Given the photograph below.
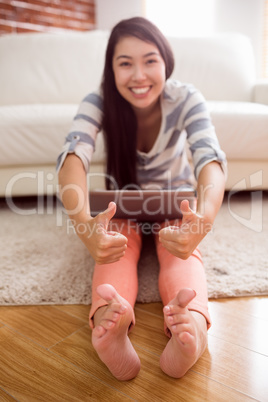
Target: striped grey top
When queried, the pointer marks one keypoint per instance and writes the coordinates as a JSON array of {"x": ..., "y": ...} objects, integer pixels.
[{"x": 185, "y": 126}]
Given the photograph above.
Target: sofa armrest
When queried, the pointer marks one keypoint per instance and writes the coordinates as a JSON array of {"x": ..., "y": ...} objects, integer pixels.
[{"x": 260, "y": 92}]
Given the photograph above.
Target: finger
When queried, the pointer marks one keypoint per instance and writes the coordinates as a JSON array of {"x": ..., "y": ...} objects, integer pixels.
[
  {"x": 116, "y": 239},
  {"x": 176, "y": 250},
  {"x": 110, "y": 258},
  {"x": 118, "y": 257},
  {"x": 175, "y": 238},
  {"x": 116, "y": 234},
  {"x": 168, "y": 244},
  {"x": 104, "y": 217},
  {"x": 100, "y": 260},
  {"x": 187, "y": 212},
  {"x": 168, "y": 233},
  {"x": 109, "y": 244}
]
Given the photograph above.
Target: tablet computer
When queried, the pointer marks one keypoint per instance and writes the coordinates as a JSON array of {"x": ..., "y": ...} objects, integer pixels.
[{"x": 143, "y": 205}]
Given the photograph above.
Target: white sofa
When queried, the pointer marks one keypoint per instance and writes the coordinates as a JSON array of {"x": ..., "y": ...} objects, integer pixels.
[{"x": 43, "y": 78}]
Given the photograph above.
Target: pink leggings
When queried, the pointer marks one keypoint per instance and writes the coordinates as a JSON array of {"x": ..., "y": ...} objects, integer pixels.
[{"x": 174, "y": 274}]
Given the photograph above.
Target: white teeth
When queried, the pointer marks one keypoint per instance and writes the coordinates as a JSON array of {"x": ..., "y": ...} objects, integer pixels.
[{"x": 140, "y": 90}]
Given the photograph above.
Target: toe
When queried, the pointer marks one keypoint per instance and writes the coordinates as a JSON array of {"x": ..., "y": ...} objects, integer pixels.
[
  {"x": 107, "y": 292},
  {"x": 114, "y": 312},
  {"x": 99, "y": 331},
  {"x": 186, "y": 338},
  {"x": 184, "y": 297}
]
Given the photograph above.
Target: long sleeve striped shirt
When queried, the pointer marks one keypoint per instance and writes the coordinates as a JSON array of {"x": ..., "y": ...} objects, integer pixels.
[{"x": 186, "y": 130}]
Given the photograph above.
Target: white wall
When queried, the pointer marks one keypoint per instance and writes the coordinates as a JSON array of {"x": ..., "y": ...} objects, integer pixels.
[
  {"x": 245, "y": 16},
  {"x": 109, "y": 12}
]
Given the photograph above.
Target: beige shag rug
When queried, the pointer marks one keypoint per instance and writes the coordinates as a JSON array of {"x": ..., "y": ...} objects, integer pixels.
[{"x": 43, "y": 262}]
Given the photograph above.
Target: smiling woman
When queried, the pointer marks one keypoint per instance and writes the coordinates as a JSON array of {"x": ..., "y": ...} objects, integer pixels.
[
  {"x": 129, "y": 59},
  {"x": 146, "y": 118},
  {"x": 139, "y": 72}
]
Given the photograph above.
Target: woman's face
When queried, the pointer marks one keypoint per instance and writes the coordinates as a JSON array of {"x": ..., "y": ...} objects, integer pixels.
[{"x": 139, "y": 72}]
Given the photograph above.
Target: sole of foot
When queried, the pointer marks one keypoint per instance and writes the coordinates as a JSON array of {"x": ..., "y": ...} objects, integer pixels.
[
  {"x": 188, "y": 335},
  {"x": 110, "y": 335}
]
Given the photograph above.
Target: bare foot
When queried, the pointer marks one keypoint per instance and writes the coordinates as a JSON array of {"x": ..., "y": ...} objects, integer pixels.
[
  {"x": 110, "y": 335},
  {"x": 189, "y": 335}
]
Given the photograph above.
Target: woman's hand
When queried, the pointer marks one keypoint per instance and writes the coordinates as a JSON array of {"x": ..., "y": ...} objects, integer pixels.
[
  {"x": 104, "y": 246},
  {"x": 182, "y": 240}
]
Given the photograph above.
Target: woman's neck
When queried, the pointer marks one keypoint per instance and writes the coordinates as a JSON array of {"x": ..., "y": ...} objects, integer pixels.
[{"x": 145, "y": 113}]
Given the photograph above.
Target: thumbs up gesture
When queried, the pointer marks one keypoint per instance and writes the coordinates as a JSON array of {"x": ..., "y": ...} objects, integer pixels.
[
  {"x": 182, "y": 240},
  {"x": 104, "y": 246}
]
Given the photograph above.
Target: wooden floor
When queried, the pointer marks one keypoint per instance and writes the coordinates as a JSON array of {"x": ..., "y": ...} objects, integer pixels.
[{"x": 46, "y": 355}]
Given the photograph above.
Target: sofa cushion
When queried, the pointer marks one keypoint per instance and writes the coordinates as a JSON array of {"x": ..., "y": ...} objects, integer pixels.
[
  {"x": 221, "y": 66},
  {"x": 242, "y": 129},
  {"x": 50, "y": 68},
  {"x": 35, "y": 134}
]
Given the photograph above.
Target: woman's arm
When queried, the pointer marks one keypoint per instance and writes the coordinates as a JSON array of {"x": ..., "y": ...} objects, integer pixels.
[
  {"x": 104, "y": 246},
  {"x": 210, "y": 191},
  {"x": 73, "y": 189},
  {"x": 182, "y": 241}
]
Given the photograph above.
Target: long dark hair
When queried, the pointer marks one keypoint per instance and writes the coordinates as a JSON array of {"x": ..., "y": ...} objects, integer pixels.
[{"x": 119, "y": 121}]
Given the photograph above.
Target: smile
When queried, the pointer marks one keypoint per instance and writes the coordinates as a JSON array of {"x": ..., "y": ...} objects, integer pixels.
[{"x": 140, "y": 91}]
